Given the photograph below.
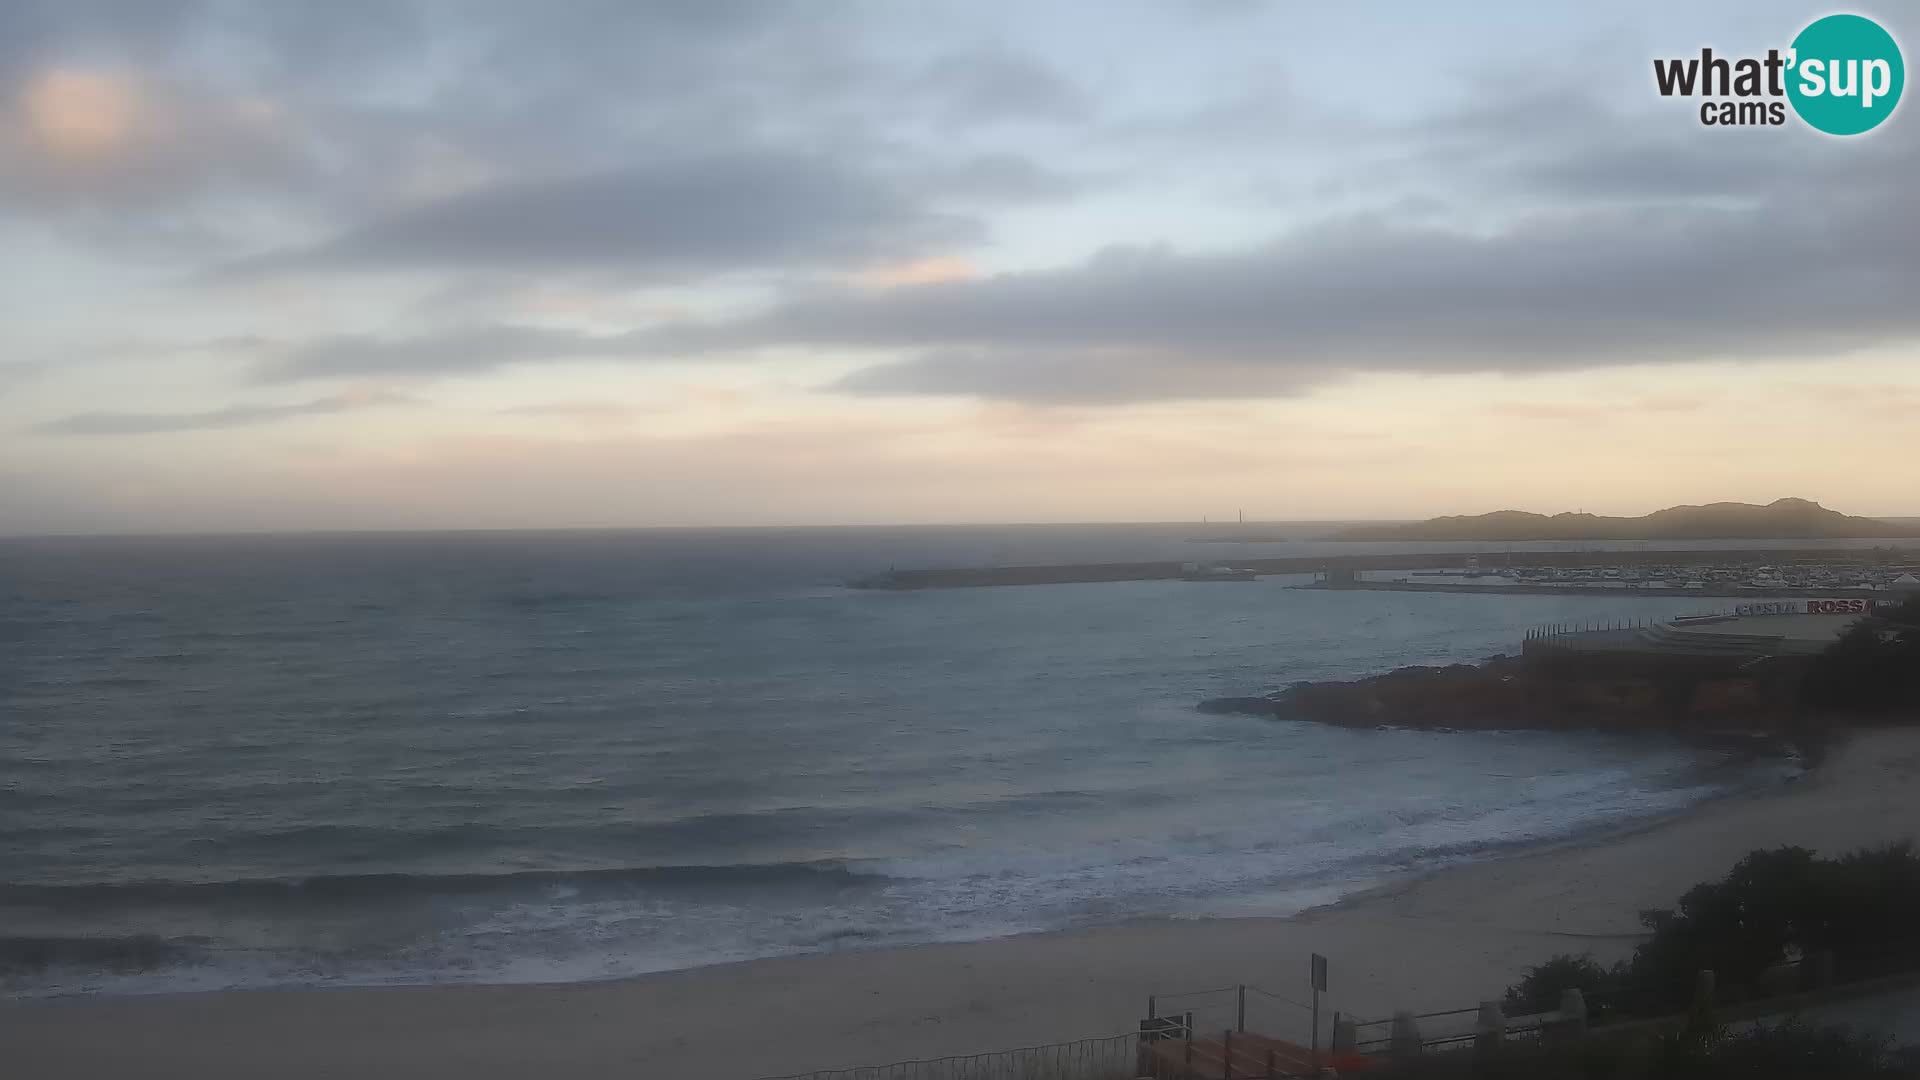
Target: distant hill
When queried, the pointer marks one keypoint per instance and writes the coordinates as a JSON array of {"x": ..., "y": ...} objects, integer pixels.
[{"x": 1782, "y": 519}]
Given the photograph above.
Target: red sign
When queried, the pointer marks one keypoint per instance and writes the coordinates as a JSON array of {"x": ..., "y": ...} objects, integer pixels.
[{"x": 1854, "y": 606}]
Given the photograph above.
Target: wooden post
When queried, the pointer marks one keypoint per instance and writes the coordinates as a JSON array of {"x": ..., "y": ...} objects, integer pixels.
[
  {"x": 1240, "y": 1010},
  {"x": 1151, "y": 1015},
  {"x": 1226, "y": 1054}
]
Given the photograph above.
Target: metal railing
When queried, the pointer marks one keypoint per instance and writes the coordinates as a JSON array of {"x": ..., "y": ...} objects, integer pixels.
[
  {"x": 1512, "y": 1029},
  {"x": 1241, "y": 1007},
  {"x": 1112, "y": 1057},
  {"x": 1587, "y": 626},
  {"x": 1381, "y": 1031}
]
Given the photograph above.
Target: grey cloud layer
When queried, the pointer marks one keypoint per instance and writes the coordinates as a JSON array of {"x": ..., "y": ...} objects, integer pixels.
[
  {"x": 142, "y": 423},
  {"x": 1600, "y": 287},
  {"x": 624, "y": 141},
  {"x": 999, "y": 86},
  {"x": 569, "y": 115},
  {"x": 13, "y": 373},
  {"x": 1627, "y": 243},
  {"x": 710, "y": 213},
  {"x": 452, "y": 352},
  {"x": 1603, "y": 284}
]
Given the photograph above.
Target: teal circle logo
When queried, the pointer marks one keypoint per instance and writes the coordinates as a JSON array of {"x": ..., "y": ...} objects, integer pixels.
[{"x": 1845, "y": 74}]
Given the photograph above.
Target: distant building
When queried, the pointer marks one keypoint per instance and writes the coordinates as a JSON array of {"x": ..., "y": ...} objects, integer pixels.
[{"x": 1770, "y": 629}]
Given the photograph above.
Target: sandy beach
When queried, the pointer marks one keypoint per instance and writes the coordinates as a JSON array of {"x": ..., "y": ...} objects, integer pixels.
[{"x": 1447, "y": 939}]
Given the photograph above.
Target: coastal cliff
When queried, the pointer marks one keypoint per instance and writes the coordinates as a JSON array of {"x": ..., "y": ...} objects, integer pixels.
[
  {"x": 1506, "y": 693},
  {"x": 1870, "y": 675}
]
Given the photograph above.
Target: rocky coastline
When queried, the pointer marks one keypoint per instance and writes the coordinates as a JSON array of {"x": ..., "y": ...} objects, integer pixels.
[{"x": 1506, "y": 693}]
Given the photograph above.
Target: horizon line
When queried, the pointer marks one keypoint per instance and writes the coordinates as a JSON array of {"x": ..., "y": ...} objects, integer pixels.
[{"x": 409, "y": 530}]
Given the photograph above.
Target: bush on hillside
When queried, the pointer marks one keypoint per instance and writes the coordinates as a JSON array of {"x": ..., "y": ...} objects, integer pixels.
[
  {"x": 1904, "y": 613},
  {"x": 1795, "y": 1051},
  {"x": 1790, "y": 1051},
  {"x": 1540, "y": 988},
  {"x": 1773, "y": 907},
  {"x": 1873, "y": 670}
]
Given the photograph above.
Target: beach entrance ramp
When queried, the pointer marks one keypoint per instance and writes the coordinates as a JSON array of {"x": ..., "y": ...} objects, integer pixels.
[
  {"x": 1229, "y": 1054},
  {"x": 1228, "y": 1034}
]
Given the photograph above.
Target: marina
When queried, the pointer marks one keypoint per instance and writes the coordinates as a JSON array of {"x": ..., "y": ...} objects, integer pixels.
[
  {"x": 1736, "y": 572},
  {"x": 1779, "y": 578}
]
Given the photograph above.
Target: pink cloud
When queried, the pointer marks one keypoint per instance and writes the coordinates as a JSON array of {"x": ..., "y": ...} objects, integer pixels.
[{"x": 926, "y": 271}]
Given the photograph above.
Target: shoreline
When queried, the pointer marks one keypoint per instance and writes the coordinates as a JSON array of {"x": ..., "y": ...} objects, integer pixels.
[
  {"x": 1738, "y": 760},
  {"x": 1442, "y": 938},
  {"x": 1781, "y": 788}
]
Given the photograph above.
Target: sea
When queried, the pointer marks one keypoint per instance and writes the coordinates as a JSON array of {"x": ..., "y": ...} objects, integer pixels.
[{"x": 497, "y": 757}]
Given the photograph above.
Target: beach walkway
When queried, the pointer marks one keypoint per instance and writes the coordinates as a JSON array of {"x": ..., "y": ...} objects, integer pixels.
[{"x": 1235, "y": 1055}]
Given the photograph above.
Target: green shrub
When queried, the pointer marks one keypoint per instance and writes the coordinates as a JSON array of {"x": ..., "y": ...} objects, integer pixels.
[
  {"x": 1873, "y": 670},
  {"x": 1787, "y": 1052},
  {"x": 1794, "y": 1051},
  {"x": 1539, "y": 989},
  {"x": 1773, "y": 907}
]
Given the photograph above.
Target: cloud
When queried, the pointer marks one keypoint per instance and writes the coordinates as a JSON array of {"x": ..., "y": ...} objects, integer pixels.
[
  {"x": 997, "y": 85},
  {"x": 1593, "y": 411},
  {"x": 1814, "y": 260},
  {"x": 466, "y": 350},
  {"x": 341, "y": 118},
  {"x": 718, "y": 212},
  {"x": 79, "y": 115},
  {"x": 139, "y": 423},
  {"x": 1113, "y": 376},
  {"x": 16, "y": 372},
  {"x": 601, "y": 143},
  {"x": 1811, "y": 263},
  {"x": 117, "y": 139},
  {"x": 597, "y": 414},
  {"x": 999, "y": 178},
  {"x": 287, "y": 39},
  {"x": 917, "y": 272}
]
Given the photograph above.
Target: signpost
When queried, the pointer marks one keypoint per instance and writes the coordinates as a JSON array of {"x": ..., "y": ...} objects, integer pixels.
[{"x": 1319, "y": 978}]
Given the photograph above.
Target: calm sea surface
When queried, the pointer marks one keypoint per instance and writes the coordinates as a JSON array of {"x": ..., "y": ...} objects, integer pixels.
[{"x": 512, "y": 757}]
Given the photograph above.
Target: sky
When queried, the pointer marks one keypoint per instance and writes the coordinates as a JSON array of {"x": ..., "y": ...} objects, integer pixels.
[{"x": 385, "y": 264}]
